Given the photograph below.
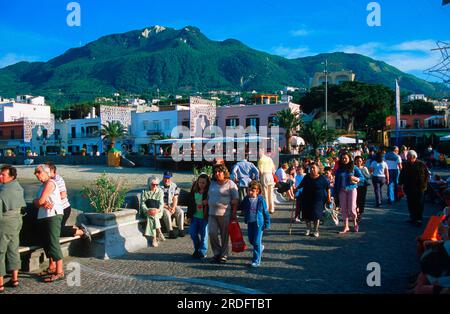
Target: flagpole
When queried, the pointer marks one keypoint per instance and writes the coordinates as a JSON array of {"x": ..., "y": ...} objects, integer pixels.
[{"x": 397, "y": 113}]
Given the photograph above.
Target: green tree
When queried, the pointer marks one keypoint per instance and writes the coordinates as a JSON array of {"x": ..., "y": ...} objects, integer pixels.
[
  {"x": 315, "y": 134},
  {"x": 418, "y": 107},
  {"x": 352, "y": 99},
  {"x": 290, "y": 121},
  {"x": 113, "y": 131}
]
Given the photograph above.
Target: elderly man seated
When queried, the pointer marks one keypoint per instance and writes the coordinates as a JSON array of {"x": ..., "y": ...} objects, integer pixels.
[{"x": 171, "y": 208}]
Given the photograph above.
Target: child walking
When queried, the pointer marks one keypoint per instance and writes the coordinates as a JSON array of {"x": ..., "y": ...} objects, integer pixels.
[
  {"x": 198, "y": 215},
  {"x": 257, "y": 218}
]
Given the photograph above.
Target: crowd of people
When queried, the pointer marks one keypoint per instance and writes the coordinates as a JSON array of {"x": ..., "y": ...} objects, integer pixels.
[{"x": 313, "y": 184}]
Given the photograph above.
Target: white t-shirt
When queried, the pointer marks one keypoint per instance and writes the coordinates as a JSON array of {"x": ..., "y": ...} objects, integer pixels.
[
  {"x": 378, "y": 168},
  {"x": 55, "y": 199},
  {"x": 281, "y": 175},
  {"x": 62, "y": 188}
]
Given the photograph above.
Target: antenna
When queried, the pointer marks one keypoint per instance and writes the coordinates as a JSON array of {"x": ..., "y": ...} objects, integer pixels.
[{"x": 442, "y": 69}]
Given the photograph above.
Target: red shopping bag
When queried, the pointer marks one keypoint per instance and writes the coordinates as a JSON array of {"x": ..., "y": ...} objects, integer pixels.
[
  {"x": 237, "y": 240},
  {"x": 399, "y": 192}
]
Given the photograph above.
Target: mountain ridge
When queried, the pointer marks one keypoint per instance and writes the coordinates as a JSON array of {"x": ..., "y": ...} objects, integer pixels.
[{"x": 184, "y": 60}]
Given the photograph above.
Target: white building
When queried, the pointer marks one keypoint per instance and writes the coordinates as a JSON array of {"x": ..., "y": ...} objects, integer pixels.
[
  {"x": 30, "y": 108},
  {"x": 413, "y": 97},
  {"x": 144, "y": 125}
]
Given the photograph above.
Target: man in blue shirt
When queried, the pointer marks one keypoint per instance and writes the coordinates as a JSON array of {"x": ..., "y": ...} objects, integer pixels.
[{"x": 242, "y": 174}]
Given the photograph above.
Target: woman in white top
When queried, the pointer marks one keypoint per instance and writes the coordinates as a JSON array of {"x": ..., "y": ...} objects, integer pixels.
[
  {"x": 380, "y": 176},
  {"x": 50, "y": 215}
]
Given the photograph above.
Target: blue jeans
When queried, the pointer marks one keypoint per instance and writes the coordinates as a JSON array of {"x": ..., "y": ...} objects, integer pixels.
[
  {"x": 393, "y": 183},
  {"x": 255, "y": 234},
  {"x": 199, "y": 235}
]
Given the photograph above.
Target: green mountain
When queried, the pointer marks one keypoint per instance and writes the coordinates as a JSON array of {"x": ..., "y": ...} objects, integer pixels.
[{"x": 182, "y": 61}]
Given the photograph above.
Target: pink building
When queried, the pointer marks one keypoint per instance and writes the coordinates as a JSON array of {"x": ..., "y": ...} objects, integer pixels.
[{"x": 245, "y": 116}]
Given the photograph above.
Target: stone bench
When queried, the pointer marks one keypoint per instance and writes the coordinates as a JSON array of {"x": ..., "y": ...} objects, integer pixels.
[{"x": 105, "y": 238}]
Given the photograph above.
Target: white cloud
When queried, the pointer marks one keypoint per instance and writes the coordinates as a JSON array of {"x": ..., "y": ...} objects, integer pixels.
[
  {"x": 12, "y": 58},
  {"x": 416, "y": 55},
  {"x": 368, "y": 49},
  {"x": 300, "y": 33},
  {"x": 292, "y": 53}
]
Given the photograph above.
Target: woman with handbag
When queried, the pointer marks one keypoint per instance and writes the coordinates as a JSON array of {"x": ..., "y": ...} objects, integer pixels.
[
  {"x": 152, "y": 206},
  {"x": 198, "y": 215},
  {"x": 257, "y": 218},
  {"x": 362, "y": 187},
  {"x": 347, "y": 178},
  {"x": 223, "y": 199}
]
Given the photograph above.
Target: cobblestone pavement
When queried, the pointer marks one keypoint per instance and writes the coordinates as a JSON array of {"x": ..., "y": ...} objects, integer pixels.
[{"x": 291, "y": 263}]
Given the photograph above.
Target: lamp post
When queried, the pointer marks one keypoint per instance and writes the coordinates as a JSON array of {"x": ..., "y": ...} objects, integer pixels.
[{"x": 326, "y": 93}]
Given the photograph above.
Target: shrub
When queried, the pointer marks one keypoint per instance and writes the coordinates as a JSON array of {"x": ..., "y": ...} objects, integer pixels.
[
  {"x": 206, "y": 169},
  {"x": 106, "y": 195}
]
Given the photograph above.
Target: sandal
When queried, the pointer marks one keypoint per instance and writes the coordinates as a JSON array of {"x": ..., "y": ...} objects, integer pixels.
[
  {"x": 12, "y": 284},
  {"x": 54, "y": 277},
  {"x": 47, "y": 272}
]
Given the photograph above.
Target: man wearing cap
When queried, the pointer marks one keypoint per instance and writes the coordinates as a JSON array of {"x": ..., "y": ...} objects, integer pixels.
[
  {"x": 414, "y": 178},
  {"x": 171, "y": 208}
]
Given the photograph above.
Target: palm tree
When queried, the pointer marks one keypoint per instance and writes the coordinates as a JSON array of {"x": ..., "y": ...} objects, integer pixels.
[
  {"x": 290, "y": 121},
  {"x": 315, "y": 134},
  {"x": 112, "y": 131}
]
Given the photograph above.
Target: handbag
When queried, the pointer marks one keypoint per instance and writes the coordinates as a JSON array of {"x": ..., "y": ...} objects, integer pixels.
[
  {"x": 331, "y": 214},
  {"x": 150, "y": 203},
  {"x": 237, "y": 239}
]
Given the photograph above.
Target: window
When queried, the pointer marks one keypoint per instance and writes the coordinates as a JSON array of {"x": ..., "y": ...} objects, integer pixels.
[
  {"x": 338, "y": 124},
  {"x": 403, "y": 124},
  {"x": 57, "y": 133},
  {"x": 74, "y": 132},
  {"x": 1, "y": 133},
  {"x": 252, "y": 122},
  {"x": 416, "y": 123},
  {"x": 145, "y": 125},
  {"x": 44, "y": 133},
  {"x": 156, "y": 125},
  {"x": 232, "y": 122},
  {"x": 13, "y": 135}
]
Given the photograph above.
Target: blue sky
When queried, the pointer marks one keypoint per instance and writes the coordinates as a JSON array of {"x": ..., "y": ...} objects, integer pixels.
[{"x": 37, "y": 30}]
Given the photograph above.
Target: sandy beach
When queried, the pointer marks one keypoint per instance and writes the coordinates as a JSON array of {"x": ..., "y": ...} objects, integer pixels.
[{"x": 77, "y": 176}]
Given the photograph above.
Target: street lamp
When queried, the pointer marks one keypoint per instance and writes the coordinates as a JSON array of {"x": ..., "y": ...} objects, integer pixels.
[{"x": 326, "y": 93}]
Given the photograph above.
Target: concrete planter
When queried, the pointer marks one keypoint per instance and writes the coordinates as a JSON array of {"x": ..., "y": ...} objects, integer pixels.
[{"x": 119, "y": 234}]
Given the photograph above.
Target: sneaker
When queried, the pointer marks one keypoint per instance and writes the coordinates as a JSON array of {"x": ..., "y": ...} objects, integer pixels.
[
  {"x": 316, "y": 234},
  {"x": 307, "y": 232},
  {"x": 254, "y": 264},
  {"x": 223, "y": 259},
  {"x": 181, "y": 233},
  {"x": 172, "y": 235},
  {"x": 297, "y": 220},
  {"x": 161, "y": 237},
  {"x": 86, "y": 233}
]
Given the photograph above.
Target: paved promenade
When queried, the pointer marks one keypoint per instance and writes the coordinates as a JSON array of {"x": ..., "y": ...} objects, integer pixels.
[{"x": 291, "y": 263}]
